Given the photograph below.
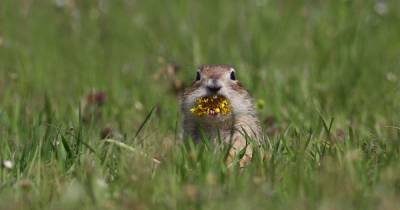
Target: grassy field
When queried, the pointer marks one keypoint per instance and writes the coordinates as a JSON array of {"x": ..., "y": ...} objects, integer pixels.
[{"x": 325, "y": 76}]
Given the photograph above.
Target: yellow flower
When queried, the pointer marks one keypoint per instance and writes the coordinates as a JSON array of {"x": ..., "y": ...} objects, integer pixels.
[{"x": 211, "y": 105}]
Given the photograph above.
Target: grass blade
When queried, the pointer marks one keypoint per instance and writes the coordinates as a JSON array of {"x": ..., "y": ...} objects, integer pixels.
[{"x": 144, "y": 122}]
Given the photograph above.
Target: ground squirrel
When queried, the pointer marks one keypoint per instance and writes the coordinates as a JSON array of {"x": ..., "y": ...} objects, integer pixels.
[{"x": 236, "y": 126}]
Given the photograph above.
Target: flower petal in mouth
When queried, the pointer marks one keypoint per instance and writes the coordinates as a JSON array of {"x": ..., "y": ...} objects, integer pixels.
[{"x": 211, "y": 106}]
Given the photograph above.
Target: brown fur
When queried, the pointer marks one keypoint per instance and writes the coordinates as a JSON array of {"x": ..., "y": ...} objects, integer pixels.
[{"x": 233, "y": 128}]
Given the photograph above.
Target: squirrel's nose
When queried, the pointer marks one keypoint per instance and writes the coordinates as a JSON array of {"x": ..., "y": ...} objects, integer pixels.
[
  {"x": 213, "y": 85},
  {"x": 214, "y": 88}
]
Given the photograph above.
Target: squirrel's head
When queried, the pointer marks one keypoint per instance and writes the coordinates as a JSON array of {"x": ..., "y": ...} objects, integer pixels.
[{"x": 217, "y": 81}]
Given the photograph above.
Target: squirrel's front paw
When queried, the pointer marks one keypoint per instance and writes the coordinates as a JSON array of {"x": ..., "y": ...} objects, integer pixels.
[{"x": 237, "y": 148}]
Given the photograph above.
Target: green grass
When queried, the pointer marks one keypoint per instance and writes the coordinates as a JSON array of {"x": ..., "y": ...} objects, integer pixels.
[{"x": 328, "y": 73}]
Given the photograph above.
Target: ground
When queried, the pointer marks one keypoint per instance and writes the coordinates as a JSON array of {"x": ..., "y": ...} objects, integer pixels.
[{"x": 89, "y": 104}]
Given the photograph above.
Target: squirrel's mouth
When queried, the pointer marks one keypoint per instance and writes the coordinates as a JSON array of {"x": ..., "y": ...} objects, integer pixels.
[{"x": 211, "y": 106}]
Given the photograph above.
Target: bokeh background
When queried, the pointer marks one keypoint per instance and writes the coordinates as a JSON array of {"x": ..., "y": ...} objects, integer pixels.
[{"x": 324, "y": 76}]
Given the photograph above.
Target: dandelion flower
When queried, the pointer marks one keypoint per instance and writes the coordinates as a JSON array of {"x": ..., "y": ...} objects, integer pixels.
[{"x": 211, "y": 105}]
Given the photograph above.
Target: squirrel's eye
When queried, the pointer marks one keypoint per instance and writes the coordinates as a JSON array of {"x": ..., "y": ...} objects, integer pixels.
[
  {"x": 198, "y": 76},
  {"x": 233, "y": 77}
]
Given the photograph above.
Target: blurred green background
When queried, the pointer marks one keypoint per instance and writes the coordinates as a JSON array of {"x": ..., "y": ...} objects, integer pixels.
[{"x": 324, "y": 74}]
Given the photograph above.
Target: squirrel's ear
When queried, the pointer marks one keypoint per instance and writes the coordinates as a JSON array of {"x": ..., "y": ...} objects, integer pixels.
[{"x": 198, "y": 76}]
